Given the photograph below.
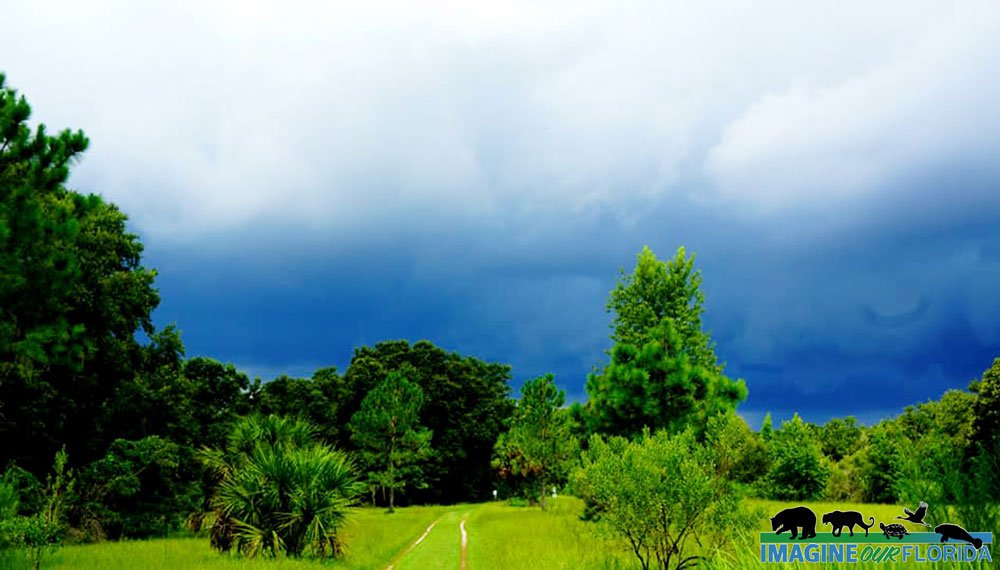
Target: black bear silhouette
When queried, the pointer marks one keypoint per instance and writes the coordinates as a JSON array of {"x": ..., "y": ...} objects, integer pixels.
[{"x": 791, "y": 519}]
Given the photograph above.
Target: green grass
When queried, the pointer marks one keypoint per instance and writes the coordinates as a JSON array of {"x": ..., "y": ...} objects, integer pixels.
[
  {"x": 499, "y": 536},
  {"x": 373, "y": 537},
  {"x": 441, "y": 548}
]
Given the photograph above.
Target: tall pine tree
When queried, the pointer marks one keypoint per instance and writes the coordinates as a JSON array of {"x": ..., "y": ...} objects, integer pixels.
[
  {"x": 389, "y": 435},
  {"x": 73, "y": 293},
  {"x": 663, "y": 373}
]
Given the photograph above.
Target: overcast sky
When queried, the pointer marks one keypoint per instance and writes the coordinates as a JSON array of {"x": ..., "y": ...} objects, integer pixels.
[{"x": 312, "y": 177}]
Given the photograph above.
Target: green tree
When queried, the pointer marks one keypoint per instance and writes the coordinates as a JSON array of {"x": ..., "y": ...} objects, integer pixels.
[
  {"x": 217, "y": 397},
  {"x": 466, "y": 402},
  {"x": 662, "y": 496},
  {"x": 656, "y": 385},
  {"x": 986, "y": 409},
  {"x": 942, "y": 459},
  {"x": 138, "y": 489},
  {"x": 740, "y": 454},
  {"x": 387, "y": 430},
  {"x": 840, "y": 437},
  {"x": 663, "y": 371},
  {"x": 880, "y": 460},
  {"x": 981, "y": 496},
  {"x": 36, "y": 279},
  {"x": 767, "y": 427},
  {"x": 73, "y": 293},
  {"x": 540, "y": 446},
  {"x": 278, "y": 489},
  {"x": 38, "y": 533},
  {"x": 655, "y": 291},
  {"x": 317, "y": 399},
  {"x": 798, "y": 470}
]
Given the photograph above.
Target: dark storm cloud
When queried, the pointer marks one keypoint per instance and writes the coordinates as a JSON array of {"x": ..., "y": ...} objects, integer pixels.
[{"x": 310, "y": 177}]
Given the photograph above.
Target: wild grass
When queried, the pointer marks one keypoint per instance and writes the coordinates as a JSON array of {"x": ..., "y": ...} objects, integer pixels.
[
  {"x": 441, "y": 548},
  {"x": 502, "y": 536},
  {"x": 373, "y": 537},
  {"x": 499, "y": 536}
]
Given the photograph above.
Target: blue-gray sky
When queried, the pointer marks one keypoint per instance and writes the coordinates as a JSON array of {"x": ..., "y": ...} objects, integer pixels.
[{"x": 311, "y": 177}]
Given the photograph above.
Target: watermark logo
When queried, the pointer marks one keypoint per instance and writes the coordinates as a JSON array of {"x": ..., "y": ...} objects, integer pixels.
[{"x": 793, "y": 538}]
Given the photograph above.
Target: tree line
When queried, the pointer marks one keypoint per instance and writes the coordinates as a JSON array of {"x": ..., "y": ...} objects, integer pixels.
[{"x": 108, "y": 429}]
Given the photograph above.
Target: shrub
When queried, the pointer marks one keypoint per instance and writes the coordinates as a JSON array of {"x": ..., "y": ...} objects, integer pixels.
[
  {"x": 662, "y": 495},
  {"x": 278, "y": 489},
  {"x": 38, "y": 533},
  {"x": 798, "y": 470}
]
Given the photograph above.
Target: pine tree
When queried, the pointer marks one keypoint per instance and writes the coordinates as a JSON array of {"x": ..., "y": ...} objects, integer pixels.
[
  {"x": 663, "y": 372},
  {"x": 387, "y": 430}
]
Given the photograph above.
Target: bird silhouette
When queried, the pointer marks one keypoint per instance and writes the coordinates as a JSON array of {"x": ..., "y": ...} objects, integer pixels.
[{"x": 916, "y": 517}]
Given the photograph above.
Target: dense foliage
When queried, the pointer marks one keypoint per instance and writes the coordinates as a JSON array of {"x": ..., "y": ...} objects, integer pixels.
[
  {"x": 72, "y": 294},
  {"x": 797, "y": 468}
]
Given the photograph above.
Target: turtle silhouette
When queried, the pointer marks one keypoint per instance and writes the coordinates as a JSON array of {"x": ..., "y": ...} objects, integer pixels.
[
  {"x": 895, "y": 529},
  {"x": 917, "y": 516}
]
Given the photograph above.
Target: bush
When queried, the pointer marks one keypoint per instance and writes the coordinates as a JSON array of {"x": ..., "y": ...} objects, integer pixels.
[
  {"x": 662, "y": 495},
  {"x": 39, "y": 533},
  {"x": 798, "y": 469},
  {"x": 843, "y": 484},
  {"x": 138, "y": 489},
  {"x": 277, "y": 489},
  {"x": 740, "y": 454},
  {"x": 879, "y": 464}
]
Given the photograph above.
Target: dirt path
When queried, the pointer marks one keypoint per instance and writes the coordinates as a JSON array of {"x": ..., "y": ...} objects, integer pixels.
[
  {"x": 465, "y": 542},
  {"x": 412, "y": 546}
]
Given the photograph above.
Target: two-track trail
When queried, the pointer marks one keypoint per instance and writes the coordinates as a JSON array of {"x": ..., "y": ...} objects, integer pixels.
[
  {"x": 443, "y": 545},
  {"x": 416, "y": 543},
  {"x": 465, "y": 544}
]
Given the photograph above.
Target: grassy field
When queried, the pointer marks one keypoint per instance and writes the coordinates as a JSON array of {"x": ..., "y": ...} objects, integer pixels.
[
  {"x": 373, "y": 539},
  {"x": 499, "y": 536}
]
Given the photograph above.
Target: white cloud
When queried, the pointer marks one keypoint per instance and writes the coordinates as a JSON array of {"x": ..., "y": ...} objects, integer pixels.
[
  {"x": 363, "y": 116},
  {"x": 929, "y": 105}
]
